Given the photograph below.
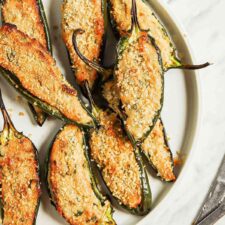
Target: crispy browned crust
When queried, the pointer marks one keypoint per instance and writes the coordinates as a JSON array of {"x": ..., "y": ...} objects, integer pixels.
[
  {"x": 86, "y": 15},
  {"x": 70, "y": 183},
  {"x": 19, "y": 181},
  {"x": 159, "y": 153},
  {"x": 37, "y": 72},
  {"x": 25, "y": 15},
  {"x": 114, "y": 153},
  {"x": 139, "y": 79}
]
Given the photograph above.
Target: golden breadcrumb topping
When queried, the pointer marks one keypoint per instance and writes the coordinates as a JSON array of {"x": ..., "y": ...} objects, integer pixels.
[
  {"x": 139, "y": 81},
  {"x": 26, "y": 16},
  {"x": 159, "y": 153},
  {"x": 86, "y": 15},
  {"x": 19, "y": 181},
  {"x": 37, "y": 72},
  {"x": 70, "y": 182},
  {"x": 114, "y": 154}
]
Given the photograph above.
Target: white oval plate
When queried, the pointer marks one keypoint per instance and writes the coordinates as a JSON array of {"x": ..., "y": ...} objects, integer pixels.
[{"x": 180, "y": 114}]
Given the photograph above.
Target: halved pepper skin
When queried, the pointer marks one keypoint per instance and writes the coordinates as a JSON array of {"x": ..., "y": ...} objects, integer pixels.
[
  {"x": 32, "y": 22},
  {"x": 120, "y": 13},
  {"x": 19, "y": 175},
  {"x": 45, "y": 23},
  {"x": 72, "y": 188},
  {"x": 33, "y": 72}
]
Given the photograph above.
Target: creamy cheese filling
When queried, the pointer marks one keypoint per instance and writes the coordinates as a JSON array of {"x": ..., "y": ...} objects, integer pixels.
[
  {"x": 110, "y": 93},
  {"x": 70, "y": 181},
  {"x": 86, "y": 15}
]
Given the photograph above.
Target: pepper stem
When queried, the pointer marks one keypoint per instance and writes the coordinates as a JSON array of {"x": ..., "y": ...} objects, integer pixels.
[
  {"x": 7, "y": 121},
  {"x": 194, "y": 67},
  {"x": 177, "y": 64},
  {"x": 95, "y": 108},
  {"x": 106, "y": 73},
  {"x": 134, "y": 19}
]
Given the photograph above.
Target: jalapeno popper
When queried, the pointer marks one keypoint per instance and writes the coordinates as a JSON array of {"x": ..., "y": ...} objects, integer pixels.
[
  {"x": 119, "y": 162},
  {"x": 120, "y": 13},
  {"x": 19, "y": 175},
  {"x": 140, "y": 81},
  {"x": 33, "y": 72},
  {"x": 29, "y": 17},
  {"x": 89, "y": 16},
  {"x": 155, "y": 147},
  {"x": 72, "y": 188}
]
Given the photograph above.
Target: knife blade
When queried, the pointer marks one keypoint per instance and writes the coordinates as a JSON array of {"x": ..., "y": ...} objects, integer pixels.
[
  {"x": 214, "y": 205},
  {"x": 213, "y": 216}
]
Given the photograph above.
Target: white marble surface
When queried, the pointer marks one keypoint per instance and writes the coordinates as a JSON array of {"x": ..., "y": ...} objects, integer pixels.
[{"x": 204, "y": 24}]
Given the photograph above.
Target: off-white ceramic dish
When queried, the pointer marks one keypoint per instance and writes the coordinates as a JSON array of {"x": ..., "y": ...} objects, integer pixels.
[{"x": 181, "y": 115}]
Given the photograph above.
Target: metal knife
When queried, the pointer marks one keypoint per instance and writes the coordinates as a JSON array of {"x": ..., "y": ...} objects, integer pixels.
[{"x": 214, "y": 205}]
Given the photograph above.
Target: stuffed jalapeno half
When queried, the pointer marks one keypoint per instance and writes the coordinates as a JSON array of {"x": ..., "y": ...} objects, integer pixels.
[
  {"x": 158, "y": 153},
  {"x": 119, "y": 162},
  {"x": 120, "y": 13},
  {"x": 33, "y": 72},
  {"x": 72, "y": 187},
  {"x": 19, "y": 175},
  {"x": 89, "y": 16},
  {"x": 140, "y": 81},
  {"x": 120, "y": 165},
  {"x": 29, "y": 17},
  {"x": 155, "y": 147}
]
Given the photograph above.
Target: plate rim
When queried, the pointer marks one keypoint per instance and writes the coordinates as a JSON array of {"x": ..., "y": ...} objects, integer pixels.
[{"x": 198, "y": 118}]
